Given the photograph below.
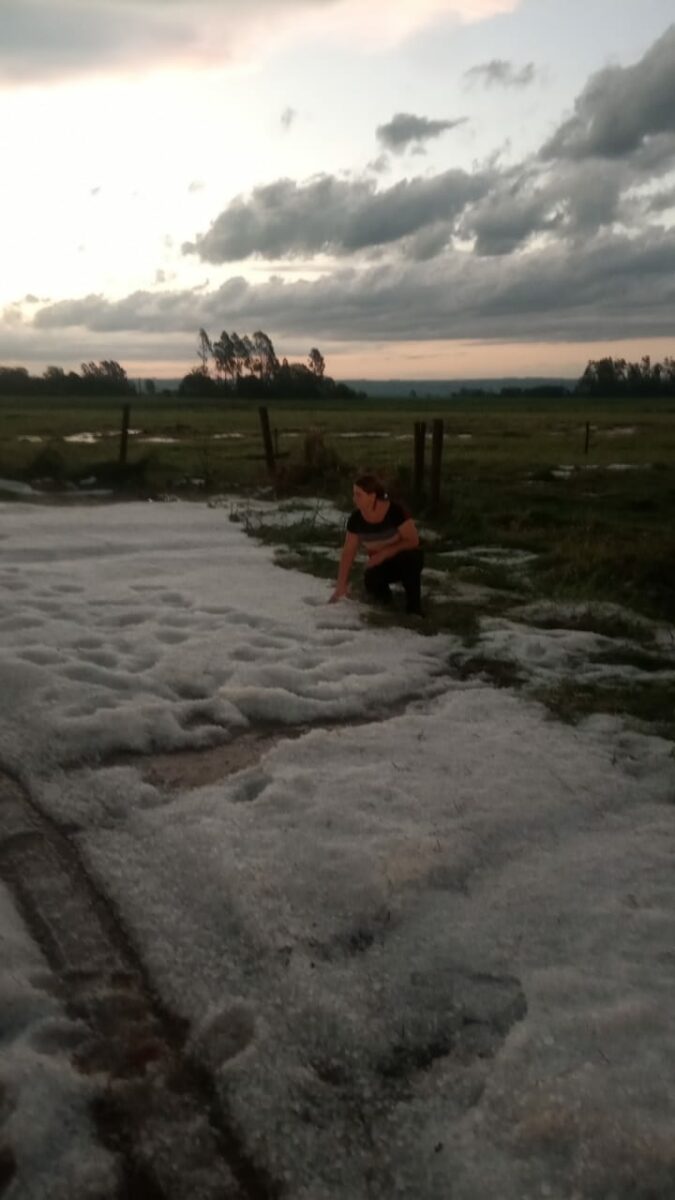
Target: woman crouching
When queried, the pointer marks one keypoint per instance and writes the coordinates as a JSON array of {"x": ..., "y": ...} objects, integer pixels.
[{"x": 390, "y": 539}]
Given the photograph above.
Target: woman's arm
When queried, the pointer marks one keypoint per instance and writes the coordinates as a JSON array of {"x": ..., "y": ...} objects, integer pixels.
[
  {"x": 408, "y": 539},
  {"x": 346, "y": 560}
]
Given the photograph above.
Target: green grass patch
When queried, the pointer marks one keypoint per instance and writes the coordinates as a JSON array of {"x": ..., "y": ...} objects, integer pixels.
[
  {"x": 309, "y": 531},
  {"x": 499, "y": 671},
  {"x": 629, "y": 656},
  {"x": 497, "y": 576},
  {"x": 651, "y": 703},
  {"x": 309, "y": 561},
  {"x": 441, "y": 616}
]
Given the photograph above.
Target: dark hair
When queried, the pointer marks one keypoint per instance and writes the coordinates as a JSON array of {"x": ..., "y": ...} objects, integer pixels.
[{"x": 372, "y": 485}]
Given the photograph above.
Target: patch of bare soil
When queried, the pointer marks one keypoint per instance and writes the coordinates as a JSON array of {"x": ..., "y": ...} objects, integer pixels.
[{"x": 198, "y": 768}]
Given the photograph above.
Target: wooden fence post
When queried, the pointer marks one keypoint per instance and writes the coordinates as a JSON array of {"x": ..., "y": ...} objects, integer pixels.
[
  {"x": 124, "y": 434},
  {"x": 436, "y": 461},
  {"x": 587, "y": 438},
  {"x": 267, "y": 440},
  {"x": 418, "y": 461}
]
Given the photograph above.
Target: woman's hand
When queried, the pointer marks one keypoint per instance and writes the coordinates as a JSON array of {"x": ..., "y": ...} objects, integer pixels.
[
  {"x": 338, "y": 594},
  {"x": 375, "y": 559}
]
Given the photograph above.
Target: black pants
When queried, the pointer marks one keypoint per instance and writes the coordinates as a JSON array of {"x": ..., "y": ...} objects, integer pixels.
[{"x": 404, "y": 567}]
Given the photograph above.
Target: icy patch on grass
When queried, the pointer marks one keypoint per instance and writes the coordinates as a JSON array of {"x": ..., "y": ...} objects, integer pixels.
[
  {"x": 550, "y": 643},
  {"x": 16, "y": 487},
  {"x": 566, "y": 471},
  {"x": 494, "y": 555},
  {"x": 318, "y": 513},
  {"x": 365, "y": 433},
  {"x": 551, "y": 612},
  {"x": 545, "y": 655},
  {"x": 158, "y": 441},
  {"x": 628, "y": 466}
]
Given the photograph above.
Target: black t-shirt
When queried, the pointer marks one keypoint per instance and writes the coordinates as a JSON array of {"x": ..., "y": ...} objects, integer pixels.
[{"x": 382, "y": 531}]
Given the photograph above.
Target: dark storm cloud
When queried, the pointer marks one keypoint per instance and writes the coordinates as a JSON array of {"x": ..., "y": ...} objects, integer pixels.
[
  {"x": 588, "y": 177},
  {"x": 53, "y": 39},
  {"x": 379, "y": 165},
  {"x": 662, "y": 201},
  {"x": 622, "y": 108},
  {"x": 568, "y": 200},
  {"x": 569, "y": 191},
  {"x": 501, "y": 73},
  {"x": 615, "y": 287},
  {"x": 45, "y": 39},
  {"x": 330, "y": 215},
  {"x": 405, "y": 130}
]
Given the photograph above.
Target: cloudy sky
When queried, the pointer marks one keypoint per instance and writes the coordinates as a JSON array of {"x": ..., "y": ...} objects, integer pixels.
[{"x": 422, "y": 188}]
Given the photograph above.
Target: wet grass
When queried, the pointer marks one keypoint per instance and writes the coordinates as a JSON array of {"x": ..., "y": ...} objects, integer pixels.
[
  {"x": 497, "y": 576},
  {"x": 640, "y": 660},
  {"x": 321, "y": 566},
  {"x": 500, "y": 672},
  {"x": 441, "y": 616},
  {"x": 590, "y": 619},
  {"x": 651, "y": 704}
]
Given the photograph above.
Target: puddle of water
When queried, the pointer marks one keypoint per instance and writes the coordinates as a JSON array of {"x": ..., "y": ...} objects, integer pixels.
[
  {"x": 365, "y": 433},
  {"x": 16, "y": 487},
  {"x": 163, "y": 441},
  {"x": 628, "y": 466}
]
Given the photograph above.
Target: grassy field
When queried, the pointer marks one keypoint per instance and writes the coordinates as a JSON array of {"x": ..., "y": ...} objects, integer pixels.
[{"x": 515, "y": 473}]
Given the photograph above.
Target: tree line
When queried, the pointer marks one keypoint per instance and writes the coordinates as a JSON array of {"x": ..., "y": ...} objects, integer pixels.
[
  {"x": 617, "y": 377},
  {"x": 99, "y": 379},
  {"x": 249, "y": 366}
]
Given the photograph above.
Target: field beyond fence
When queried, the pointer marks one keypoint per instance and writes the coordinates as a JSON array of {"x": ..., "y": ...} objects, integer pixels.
[{"x": 589, "y": 487}]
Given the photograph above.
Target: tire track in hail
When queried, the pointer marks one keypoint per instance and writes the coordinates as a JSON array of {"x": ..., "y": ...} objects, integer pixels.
[{"x": 158, "y": 1111}]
